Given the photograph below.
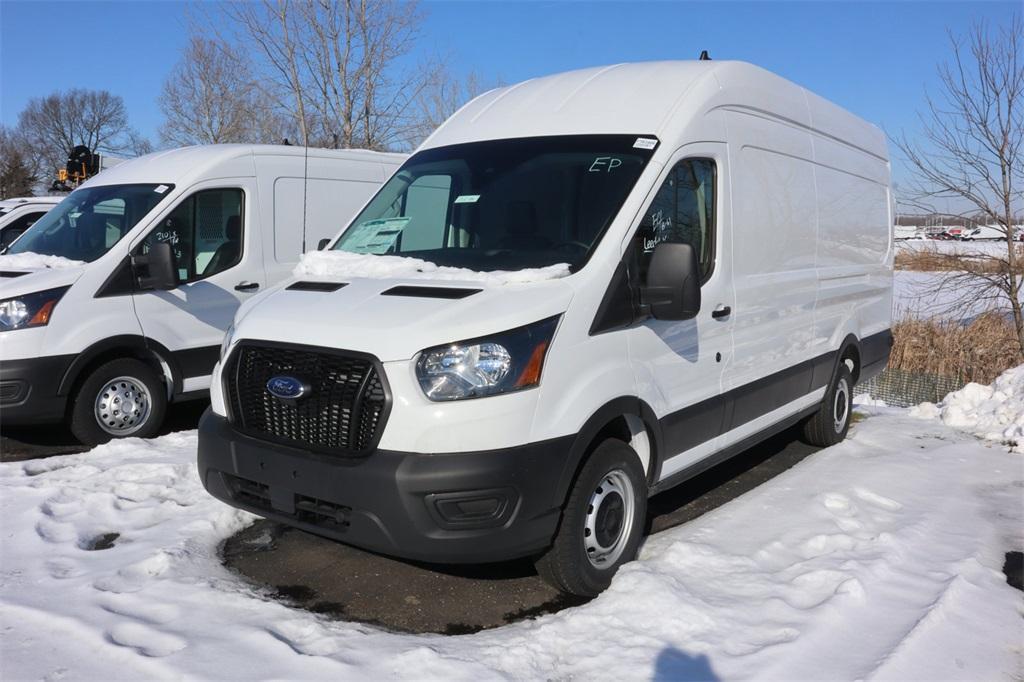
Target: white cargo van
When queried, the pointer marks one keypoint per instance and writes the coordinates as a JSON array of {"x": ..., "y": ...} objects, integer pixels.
[
  {"x": 116, "y": 301},
  {"x": 580, "y": 291},
  {"x": 19, "y": 214}
]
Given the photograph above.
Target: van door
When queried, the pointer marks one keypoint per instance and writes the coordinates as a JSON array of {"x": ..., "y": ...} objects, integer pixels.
[
  {"x": 215, "y": 237},
  {"x": 679, "y": 364}
]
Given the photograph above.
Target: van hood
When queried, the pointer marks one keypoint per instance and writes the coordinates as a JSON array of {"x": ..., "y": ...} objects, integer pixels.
[
  {"x": 394, "y": 319},
  {"x": 20, "y": 281}
]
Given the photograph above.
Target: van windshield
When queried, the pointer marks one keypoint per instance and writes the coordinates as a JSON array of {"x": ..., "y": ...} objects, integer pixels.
[
  {"x": 502, "y": 204},
  {"x": 90, "y": 221}
]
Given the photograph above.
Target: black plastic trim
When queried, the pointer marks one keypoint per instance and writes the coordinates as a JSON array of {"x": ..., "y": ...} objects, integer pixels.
[
  {"x": 11, "y": 273},
  {"x": 196, "y": 362},
  {"x": 38, "y": 400},
  {"x": 325, "y": 287},
  {"x": 430, "y": 292}
]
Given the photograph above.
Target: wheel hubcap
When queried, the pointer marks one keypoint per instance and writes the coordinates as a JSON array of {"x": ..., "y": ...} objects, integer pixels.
[
  {"x": 841, "y": 408},
  {"x": 122, "y": 406},
  {"x": 609, "y": 519}
]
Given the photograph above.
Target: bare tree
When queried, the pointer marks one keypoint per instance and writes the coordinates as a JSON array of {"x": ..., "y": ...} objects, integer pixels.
[
  {"x": 212, "y": 97},
  {"x": 55, "y": 124},
  {"x": 17, "y": 177},
  {"x": 337, "y": 67},
  {"x": 443, "y": 95},
  {"x": 970, "y": 154}
]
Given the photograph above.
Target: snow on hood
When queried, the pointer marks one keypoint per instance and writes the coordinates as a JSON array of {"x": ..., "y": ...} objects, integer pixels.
[
  {"x": 994, "y": 412},
  {"x": 347, "y": 265},
  {"x": 36, "y": 261}
]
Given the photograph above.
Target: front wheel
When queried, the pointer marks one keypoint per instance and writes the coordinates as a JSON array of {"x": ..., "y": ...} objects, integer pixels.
[
  {"x": 120, "y": 398},
  {"x": 830, "y": 423},
  {"x": 602, "y": 523}
]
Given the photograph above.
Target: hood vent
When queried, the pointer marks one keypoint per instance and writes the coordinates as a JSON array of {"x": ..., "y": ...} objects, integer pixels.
[
  {"x": 10, "y": 273},
  {"x": 325, "y": 287},
  {"x": 430, "y": 292}
]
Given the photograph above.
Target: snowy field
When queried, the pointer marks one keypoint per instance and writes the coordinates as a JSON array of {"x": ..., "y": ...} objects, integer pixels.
[
  {"x": 994, "y": 247},
  {"x": 876, "y": 559}
]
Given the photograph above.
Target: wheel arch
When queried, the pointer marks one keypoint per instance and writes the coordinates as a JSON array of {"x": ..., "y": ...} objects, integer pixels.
[
  {"x": 124, "y": 346},
  {"x": 618, "y": 418}
]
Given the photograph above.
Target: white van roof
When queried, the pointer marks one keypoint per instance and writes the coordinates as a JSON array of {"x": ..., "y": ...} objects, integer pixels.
[
  {"x": 21, "y": 201},
  {"x": 653, "y": 98},
  {"x": 187, "y": 164}
]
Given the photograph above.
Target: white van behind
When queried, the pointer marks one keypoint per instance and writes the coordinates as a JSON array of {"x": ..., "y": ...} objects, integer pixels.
[
  {"x": 581, "y": 290},
  {"x": 115, "y": 302},
  {"x": 20, "y": 213}
]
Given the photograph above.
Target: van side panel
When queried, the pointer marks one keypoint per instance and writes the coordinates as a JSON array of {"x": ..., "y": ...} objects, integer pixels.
[
  {"x": 854, "y": 254},
  {"x": 774, "y": 232}
]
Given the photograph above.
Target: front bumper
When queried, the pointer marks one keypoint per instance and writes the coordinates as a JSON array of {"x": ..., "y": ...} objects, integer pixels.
[
  {"x": 28, "y": 389},
  {"x": 472, "y": 507}
]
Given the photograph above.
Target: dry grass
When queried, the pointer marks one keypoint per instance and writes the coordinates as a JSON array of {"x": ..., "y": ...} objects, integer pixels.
[
  {"x": 932, "y": 259},
  {"x": 979, "y": 351}
]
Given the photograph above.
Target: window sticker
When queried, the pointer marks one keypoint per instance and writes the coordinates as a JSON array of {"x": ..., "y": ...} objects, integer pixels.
[
  {"x": 160, "y": 189},
  {"x": 467, "y": 198},
  {"x": 375, "y": 236},
  {"x": 645, "y": 143}
]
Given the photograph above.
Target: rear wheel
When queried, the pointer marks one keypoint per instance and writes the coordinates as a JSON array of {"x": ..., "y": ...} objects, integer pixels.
[
  {"x": 120, "y": 398},
  {"x": 602, "y": 523},
  {"x": 830, "y": 423}
]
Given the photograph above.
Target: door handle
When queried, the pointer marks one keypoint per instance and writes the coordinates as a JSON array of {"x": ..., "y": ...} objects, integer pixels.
[
  {"x": 247, "y": 286},
  {"x": 721, "y": 311}
]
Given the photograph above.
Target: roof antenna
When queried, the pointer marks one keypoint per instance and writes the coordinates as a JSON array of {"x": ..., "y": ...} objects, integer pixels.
[{"x": 704, "y": 56}]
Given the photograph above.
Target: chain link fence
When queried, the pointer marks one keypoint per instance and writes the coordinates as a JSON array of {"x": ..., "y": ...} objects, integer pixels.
[{"x": 900, "y": 388}]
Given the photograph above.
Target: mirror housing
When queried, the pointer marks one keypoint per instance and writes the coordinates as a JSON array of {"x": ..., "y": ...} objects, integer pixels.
[
  {"x": 322, "y": 244},
  {"x": 159, "y": 263},
  {"x": 672, "y": 291}
]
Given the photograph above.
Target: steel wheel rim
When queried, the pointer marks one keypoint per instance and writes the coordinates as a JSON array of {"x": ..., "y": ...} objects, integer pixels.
[
  {"x": 609, "y": 520},
  {"x": 841, "y": 406},
  {"x": 122, "y": 406}
]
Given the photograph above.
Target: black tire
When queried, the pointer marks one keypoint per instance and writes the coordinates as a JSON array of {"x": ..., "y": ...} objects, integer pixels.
[
  {"x": 140, "y": 424},
  {"x": 831, "y": 422},
  {"x": 567, "y": 565}
]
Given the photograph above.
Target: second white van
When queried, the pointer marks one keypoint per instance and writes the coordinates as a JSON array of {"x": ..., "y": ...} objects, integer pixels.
[
  {"x": 114, "y": 303},
  {"x": 580, "y": 291}
]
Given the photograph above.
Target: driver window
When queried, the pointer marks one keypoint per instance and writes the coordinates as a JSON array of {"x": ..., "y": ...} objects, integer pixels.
[
  {"x": 683, "y": 211},
  {"x": 205, "y": 233}
]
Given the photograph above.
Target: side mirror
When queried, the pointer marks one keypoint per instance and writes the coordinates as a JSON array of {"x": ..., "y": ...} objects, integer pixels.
[
  {"x": 672, "y": 291},
  {"x": 160, "y": 265},
  {"x": 322, "y": 244}
]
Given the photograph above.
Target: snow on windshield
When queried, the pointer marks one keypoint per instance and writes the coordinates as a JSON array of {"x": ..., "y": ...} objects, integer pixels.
[
  {"x": 37, "y": 261},
  {"x": 345, "y": 265}
]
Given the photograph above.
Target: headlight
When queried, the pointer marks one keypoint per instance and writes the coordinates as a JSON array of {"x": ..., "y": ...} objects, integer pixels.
[
  {"x": 30, "y": 310},
  {"x": 225, "y": 345},
  {"x": 502, "y": 363}
]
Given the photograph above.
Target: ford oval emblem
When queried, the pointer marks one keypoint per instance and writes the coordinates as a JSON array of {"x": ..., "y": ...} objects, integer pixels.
[{"x": 286, "y": 388}]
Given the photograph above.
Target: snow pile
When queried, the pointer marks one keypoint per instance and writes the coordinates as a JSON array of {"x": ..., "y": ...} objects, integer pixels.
[
  {"x": 993, "y": 412},
  {"x": 345, "y": 265},
  {"x": 876, "y": 559},
  {"x": 36, "y": 261}
]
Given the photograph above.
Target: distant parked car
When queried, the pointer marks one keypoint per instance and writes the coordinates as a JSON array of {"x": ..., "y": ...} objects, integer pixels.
[{"x": 983, "y": 233}]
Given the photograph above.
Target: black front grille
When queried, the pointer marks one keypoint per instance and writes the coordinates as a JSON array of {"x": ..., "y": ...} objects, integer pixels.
[{"x": 342, "y": 411}]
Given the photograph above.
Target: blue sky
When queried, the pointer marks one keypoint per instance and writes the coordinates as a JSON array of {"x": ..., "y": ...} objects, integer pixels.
[{"x": 874, "y": 58}]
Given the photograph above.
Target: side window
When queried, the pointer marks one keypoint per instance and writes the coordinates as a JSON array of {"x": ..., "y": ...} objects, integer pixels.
[
  {"x": 205, "y": 232},
  {"x": 18, "y": 226},
  {"x": 683, "y": 210}
]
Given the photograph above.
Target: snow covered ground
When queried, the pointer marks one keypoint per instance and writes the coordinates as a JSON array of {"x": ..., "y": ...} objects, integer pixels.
[
  {"x": 995, "y": 247},
  {"x": 919, "y": 294},
  {"x": 876, "y": 559}
]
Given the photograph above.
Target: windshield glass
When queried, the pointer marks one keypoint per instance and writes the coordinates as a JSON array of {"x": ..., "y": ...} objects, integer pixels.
[
  {"x": 502, "y": 204},
  {"x": 90, "y": 221}
]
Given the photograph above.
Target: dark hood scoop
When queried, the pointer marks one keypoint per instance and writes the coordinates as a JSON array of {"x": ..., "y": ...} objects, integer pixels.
[
  {"x": 430, "y": 292},
  {"x": 325, "y": 287}
]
